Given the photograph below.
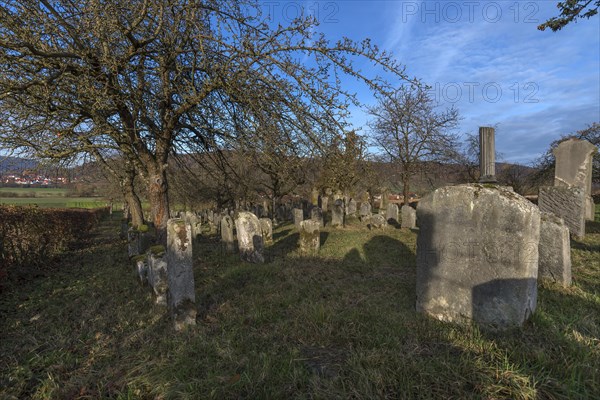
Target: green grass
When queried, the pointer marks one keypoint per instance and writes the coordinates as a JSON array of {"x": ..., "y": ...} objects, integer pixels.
[
  {"x": 339, "y": 326},
  {"x": 56, "y": 202},
  {"x": 34, "y": 192}
]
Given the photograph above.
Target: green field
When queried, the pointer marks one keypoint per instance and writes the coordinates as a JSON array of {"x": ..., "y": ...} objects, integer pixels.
[
  {"x": 47, "y": 198},
  {"x": 339, "y": 326}
]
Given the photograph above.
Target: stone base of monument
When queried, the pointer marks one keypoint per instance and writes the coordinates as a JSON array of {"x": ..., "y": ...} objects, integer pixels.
[
  {"x": 554, "y": 250},
  {"x": 477, "y": 256}
]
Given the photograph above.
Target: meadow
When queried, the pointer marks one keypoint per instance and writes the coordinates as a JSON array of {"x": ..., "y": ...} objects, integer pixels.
[
  {"x": 47, "y": 198},
  {"x": 338, "y": 326}
]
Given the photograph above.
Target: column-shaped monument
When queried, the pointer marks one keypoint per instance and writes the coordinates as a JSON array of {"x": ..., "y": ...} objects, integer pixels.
[{"x": 487, "y": 155}]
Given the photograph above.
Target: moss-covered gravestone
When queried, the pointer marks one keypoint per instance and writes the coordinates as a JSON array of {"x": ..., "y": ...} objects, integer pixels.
[{"x": 309, "y": 241}]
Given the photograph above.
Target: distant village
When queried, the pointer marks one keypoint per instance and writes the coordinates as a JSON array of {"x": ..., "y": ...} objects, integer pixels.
[{"x": 31, "y": 178}]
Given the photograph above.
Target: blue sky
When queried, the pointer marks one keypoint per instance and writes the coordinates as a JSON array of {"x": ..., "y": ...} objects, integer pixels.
[{"x": 485, "y": 57}]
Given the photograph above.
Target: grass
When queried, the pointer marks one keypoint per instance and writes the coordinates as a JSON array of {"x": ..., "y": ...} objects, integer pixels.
[
  {"x": 339, "y": 326},
  {"x": 33, "y": 192},
  {"x": 56, "y": 202}
]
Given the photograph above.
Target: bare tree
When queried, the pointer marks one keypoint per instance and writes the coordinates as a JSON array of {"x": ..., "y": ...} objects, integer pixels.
[
  {"x": 143, "y": 75},
  {"x": 407, "y": 128}
]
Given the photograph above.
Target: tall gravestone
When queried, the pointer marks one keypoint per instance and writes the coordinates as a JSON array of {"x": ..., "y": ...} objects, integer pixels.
[
  {"x": 250, "y": 240},
  {"x": 324, "y": 203},
  {"x": 309, "y": 241},
  {"x": 487, "y": 155},
  {"x": 157, "y": 274},
  {"x": 477, "y": 256},
  {"x": 567, "y": 203},
  {"x": 266, "y": 227},
  {"x": 365, "y": 211},
  {"x": 337, "y": 213},
  {"x": 555, "y": 250},
  {"x": 298, "y": 217},
  {"x": 409, "y": 217},
  {"x": 180, "y": 274},
  {"x": 316, "y": 214},
  {"x": 351, "y": 209},
  {"x": 573, "y": 168},
  {"x": 391, "y": 214},
  {"x": 227, "y": 237}
]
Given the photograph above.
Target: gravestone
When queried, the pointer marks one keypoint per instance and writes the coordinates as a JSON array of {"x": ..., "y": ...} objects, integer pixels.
[
  {"x": 554, "y": 250},
  {"x": 314, "y": 197},
  {"x": 377, "y": 221},
  {"x": 351, "y": 209},
  {"x": 157, "y": 274},
  {"x": 324, "y": 203},
  {"x": 316, "y": 214},
  {"x": 227, "y": 233},
  {"x": 250, "y": 240},
  {"x": 567, "y": 203},
  {"x": 133, "y": 242},
  {"x": 477, "y": 256},
  {"x": 266, "y": 228},
  {"x": 487, "y": 155},
  {"x": 141, "y": 266},
  {"x": 409, "y": 217},
  {"x": 337, "y": 213},
  {"x": 391, "y": 214},
  {"x": 309, "y": 241},
  {"x": 573, "y": 168},
  {"x": 365, "y": 211},
  {"x": 180, "y": 274},
  {"x": 298, "y": 217}
]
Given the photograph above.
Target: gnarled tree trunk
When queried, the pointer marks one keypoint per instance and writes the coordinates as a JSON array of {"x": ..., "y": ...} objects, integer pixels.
[{"x": 159, "y": 202}]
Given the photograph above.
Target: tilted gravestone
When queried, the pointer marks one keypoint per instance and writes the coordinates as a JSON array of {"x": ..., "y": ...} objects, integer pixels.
[
  {"x": 337, "y": 213},
  {"x": 377, "y": 221},
  {"x": 227, "y": 237},
  {"x": 316, "y": 214},
  {"x": 409, "y": 217},
  {"x": 573, "y": 168},
  {"x": 249, "y": 235},
  {"x": 266, "y": 228},
  {"x": 180, "y": 274},
  {"x": 309, "y": 241},
  {"x": 298, "y": 217},
  {"x": 567, "y": 203},
  {"x": 554, "y": 250},
  {"x": 391, "y": 214},
  {"x": 477, "y": 256}
]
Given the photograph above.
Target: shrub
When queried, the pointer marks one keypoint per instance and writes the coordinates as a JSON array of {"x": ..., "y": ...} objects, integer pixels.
[{"x": 31, "y": 236}]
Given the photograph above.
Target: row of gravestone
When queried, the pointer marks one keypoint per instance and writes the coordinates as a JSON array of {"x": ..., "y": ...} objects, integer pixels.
[{"x": 482, "y": 248}]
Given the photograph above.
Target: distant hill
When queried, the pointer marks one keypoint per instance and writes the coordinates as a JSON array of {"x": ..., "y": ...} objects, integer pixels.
[{"x": 16, "y": 164}]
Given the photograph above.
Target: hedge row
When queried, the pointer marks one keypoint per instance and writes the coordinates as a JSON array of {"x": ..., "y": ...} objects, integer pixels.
[{"x": 31, "y": 236}]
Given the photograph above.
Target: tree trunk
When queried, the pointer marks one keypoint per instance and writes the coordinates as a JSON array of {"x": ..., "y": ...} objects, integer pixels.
[
  {"x": 405, "y": 190},
  {"x": 159, "y": 203}
]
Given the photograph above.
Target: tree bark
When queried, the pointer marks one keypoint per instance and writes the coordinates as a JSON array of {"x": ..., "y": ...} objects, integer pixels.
[
  {"x": 159, "y": 203},
  {"x": 405, "y": 191},
  {"x": 134, "y": 204}
]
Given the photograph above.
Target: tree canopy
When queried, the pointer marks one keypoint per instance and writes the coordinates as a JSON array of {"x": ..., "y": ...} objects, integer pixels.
[
  {"x": 571, "y": 11},
  {"x": 144, "y": 79}
]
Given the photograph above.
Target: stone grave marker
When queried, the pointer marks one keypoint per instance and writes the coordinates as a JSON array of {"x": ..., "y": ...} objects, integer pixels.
[{"x": 250, "y": 240}]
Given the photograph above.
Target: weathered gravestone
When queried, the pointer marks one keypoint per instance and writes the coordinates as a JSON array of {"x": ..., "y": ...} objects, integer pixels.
[
  {"x": 567, "y": 203},
  {"x": 180, "y": 274},
  {"x": 337, "y": 213},
  {"x": 391, "y": 214},
  {"x": 316, "y": 214},
  {"x": 266, "y": 228},
  {"x": 377, "y": 221},
  {"x": 141, "y": 266},
  {"x": 157, "y": 273},
  {"x": 573, "y": 168},
  {"x": 314, "y": 197},
  {"x": 298, "y": 217},
  {"x": 477, "y": 256},
  {"x": 351, "y": 209},
  {"x": 324, "y": 203},
  {"x": 250, "y": 240},
  {"x": 365, "y": 211},
  {"x": 309, "y": 241},
  {"x": 554, "y": 250},
  {"x": 409, "y": 217},
  {"x": 227, "y": 233}
]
